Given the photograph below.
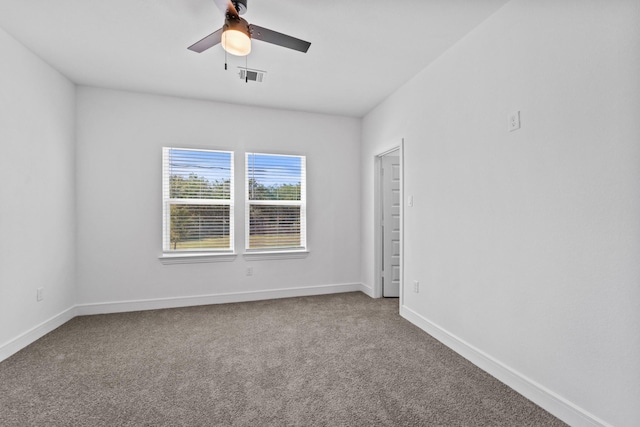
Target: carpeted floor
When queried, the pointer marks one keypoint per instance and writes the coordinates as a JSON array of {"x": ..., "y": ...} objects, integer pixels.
[{"x": 334, "y": 360}]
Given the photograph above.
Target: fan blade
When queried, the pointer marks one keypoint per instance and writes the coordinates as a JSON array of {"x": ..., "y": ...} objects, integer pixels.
[
  {"x": 207, "y": 42},
  {"x": 227, "y": 7},
  {"x": 270, "y": 36}
]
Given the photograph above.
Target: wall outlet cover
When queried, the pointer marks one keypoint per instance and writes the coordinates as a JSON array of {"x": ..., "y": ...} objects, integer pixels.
[{"x": 513, "y": 121}]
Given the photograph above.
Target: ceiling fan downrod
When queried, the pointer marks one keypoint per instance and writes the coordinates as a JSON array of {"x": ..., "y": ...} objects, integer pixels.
[{"x": 240, "y": 5}]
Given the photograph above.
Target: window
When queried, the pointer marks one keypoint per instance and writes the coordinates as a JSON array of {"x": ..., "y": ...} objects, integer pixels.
[
  {"x": 197, "y": 199},
  {"x": 275, "y": 202}
]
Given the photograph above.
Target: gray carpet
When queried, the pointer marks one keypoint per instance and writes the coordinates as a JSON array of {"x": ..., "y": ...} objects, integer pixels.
[{"x": 334, "y": 360}]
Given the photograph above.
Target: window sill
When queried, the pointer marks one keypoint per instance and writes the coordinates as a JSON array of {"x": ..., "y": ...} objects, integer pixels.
[
  {"x": 267, "y": 255},
  {"x": 196, "y": 258}
]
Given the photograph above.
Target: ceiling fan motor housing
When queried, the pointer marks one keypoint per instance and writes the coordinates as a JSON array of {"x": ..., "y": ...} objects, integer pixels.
[{"x": 238, "y": 24}]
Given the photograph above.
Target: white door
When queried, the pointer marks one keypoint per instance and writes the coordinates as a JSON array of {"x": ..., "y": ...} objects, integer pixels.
[{"x": 390, "y": 175}]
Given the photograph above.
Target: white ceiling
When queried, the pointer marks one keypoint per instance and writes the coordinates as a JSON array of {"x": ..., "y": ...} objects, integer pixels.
[{"x": 361, "y": 50}]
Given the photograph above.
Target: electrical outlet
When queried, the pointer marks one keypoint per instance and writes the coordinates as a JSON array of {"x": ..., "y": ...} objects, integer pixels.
[
  {"x": 513, "y": 121},
  {"x": 249, "y": 271},
  {"x": 39, "y": 294},
  {"x": 416, "y": 286}
]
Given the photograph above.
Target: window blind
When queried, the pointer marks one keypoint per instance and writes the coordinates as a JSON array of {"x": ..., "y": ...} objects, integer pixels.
[
  {"x": 275, "y": 202},
  {"x": 197, "y": 193}
]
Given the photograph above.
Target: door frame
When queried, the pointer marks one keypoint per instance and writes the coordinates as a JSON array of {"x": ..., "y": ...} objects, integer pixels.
[{"x": 377, "y": 219}]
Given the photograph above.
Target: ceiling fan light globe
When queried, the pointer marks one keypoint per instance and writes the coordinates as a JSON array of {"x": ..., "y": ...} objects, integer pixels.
[{"x": 236, "y": 42}]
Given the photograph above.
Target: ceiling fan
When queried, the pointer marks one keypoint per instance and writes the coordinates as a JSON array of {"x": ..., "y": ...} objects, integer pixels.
[{"x": 236, "y": 34}]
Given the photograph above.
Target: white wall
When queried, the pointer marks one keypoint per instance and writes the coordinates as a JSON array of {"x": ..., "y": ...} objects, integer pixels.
[
  {"x": 526, "y": 244},
  {"x": 120, "y": 136},
  {"x": 37, "y": 195}
]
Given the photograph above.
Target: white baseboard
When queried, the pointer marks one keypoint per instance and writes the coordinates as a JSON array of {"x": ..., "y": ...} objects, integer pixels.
[
  {"x": 537, "y": 393},
  {"x": 21, "y": 341},
  {"x": 11, "y": 347},
  {"x": 160, "y": 303},
  {"x": 367, "y": 290}
]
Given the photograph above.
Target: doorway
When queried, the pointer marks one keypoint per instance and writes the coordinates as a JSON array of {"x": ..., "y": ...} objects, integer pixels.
[{"x": 389, "y": 218}]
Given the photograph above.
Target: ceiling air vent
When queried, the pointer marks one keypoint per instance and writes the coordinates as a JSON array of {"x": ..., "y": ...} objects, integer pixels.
[{"x": 247, "y": 74}]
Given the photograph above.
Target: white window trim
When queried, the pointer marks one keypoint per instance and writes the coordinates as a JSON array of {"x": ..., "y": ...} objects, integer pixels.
[
  {"x": 191, "y": 256},
  {"x": 276, "y": 253},
  {"x": 195, "y": 258}
]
